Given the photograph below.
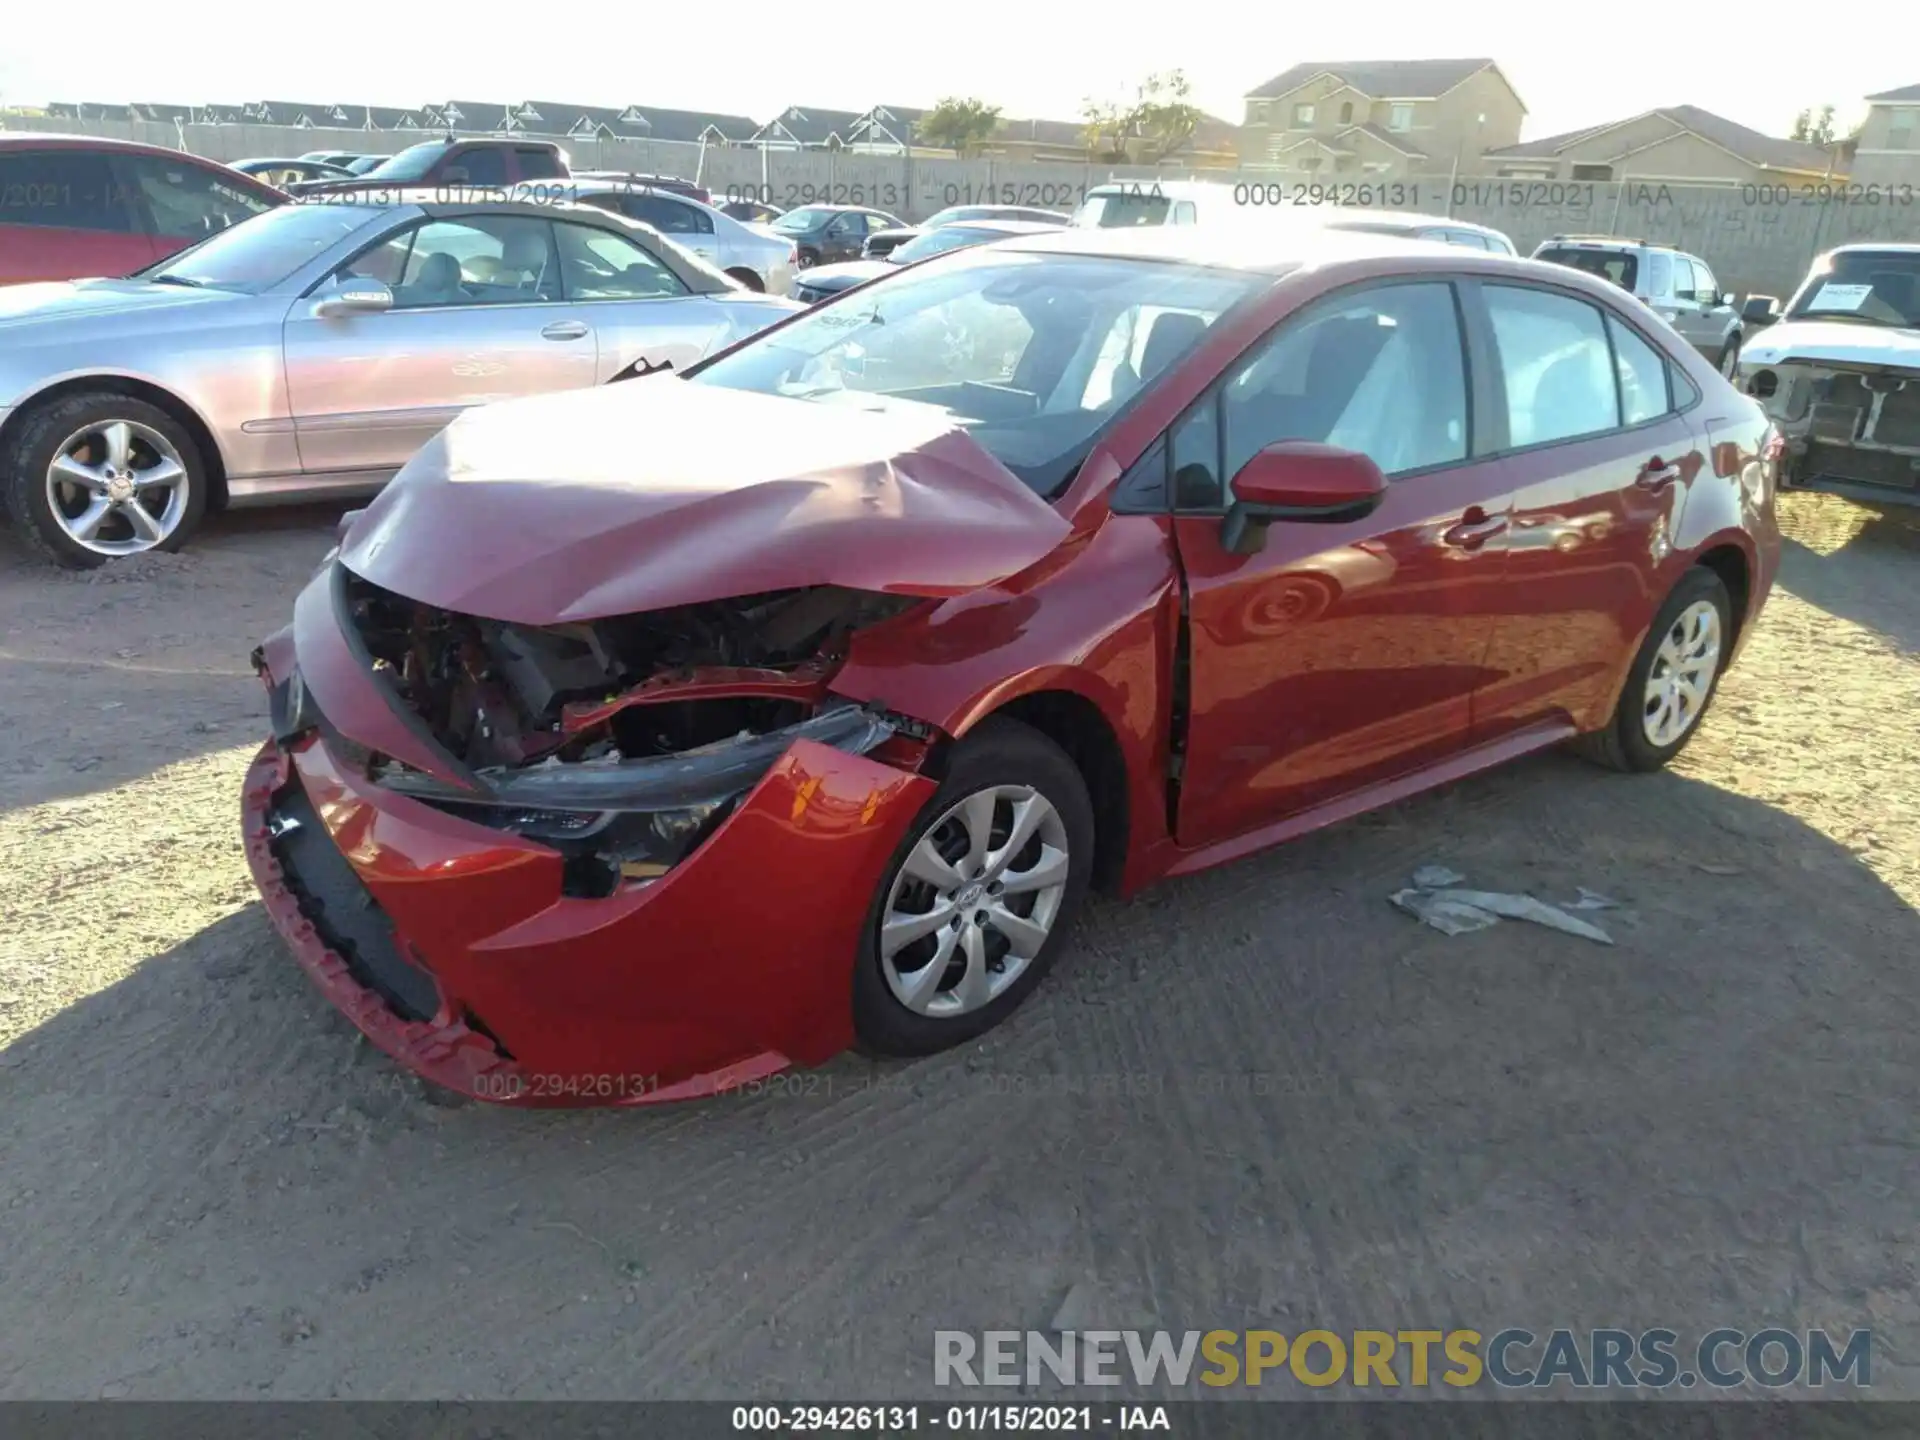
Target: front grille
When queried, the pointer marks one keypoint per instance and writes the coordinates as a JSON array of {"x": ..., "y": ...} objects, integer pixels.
[
  {"x": 1863, "y": 467},
  {"x": 342, "y": 909},
  {"x": 1836, "y": 422},
  {"x": 1899, "y": 422}
]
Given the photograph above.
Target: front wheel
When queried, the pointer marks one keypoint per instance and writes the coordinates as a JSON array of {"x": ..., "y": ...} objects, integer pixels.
[
  {"x": 979, "y": 897},
  {"x": 1673, "y": 678},
  {"x": 97, "y": 476},
  {"x": 807, "y": 259},
  {"x": 1730, "y": 357}
]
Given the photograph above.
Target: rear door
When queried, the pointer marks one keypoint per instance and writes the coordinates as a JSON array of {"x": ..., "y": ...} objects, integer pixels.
[
  {"x": 1340, "y": 655},
  {"x": 479, "y": 315},
  {"x": 65, "y": 215},
  {"x": 688, "y": 226},
  {"x": 1601, "y": 454}
]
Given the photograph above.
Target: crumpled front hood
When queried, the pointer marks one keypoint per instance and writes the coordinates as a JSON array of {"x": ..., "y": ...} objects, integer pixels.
[
  {"x": 1834, "y": 342},
  {"x": 660, "y": 491}
]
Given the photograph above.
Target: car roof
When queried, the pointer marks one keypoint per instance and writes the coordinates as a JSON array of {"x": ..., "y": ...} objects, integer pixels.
[
  {"x": 1264, "y": 249},
  {"x": 34, "y": 140},
  {"x": 1878, "y": 247}
]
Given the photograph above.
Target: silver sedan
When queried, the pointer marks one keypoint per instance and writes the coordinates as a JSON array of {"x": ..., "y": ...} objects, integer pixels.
[
  {"x": 309, "y": 352},
  {"x": 752, "y": 254}
]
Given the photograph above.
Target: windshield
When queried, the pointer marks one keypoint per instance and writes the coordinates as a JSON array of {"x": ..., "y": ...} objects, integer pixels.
[
  {"x": 1873, "y": 287},
  {"x": 805, "y": 218},
  {"x": 366, "y": 163},
  {"x": 1622, "y": 267},
  {"x": 1114, "y": 209},
  {"x": 258, "y": 254},
  {"x": 938, "y": 242},
  {"x": 413, "y": 163},
  {"x": 1032, "y": 355}
]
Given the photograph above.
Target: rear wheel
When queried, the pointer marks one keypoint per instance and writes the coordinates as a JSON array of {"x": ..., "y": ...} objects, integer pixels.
[
  {"x": 1673, "y": 679},
  {"x": 807, "y": 258},
  {"x": 97, "y": 476},
  {"x": 979, "y": 897}
]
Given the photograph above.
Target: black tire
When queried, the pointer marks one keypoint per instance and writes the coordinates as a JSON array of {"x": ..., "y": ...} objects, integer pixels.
[
  {"x": 998, "y": 752},
  {"x": 23, "y": 472},
  {"x": 1623, "y": 744},
  {"x": 747, "y": 278},
  {"x": 1730, "y": 357},
  {"x": 808, "y": 257}
]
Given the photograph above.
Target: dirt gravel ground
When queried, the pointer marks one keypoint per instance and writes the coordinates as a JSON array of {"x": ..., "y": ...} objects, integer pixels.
[{"x": 1258, "y": 1097}]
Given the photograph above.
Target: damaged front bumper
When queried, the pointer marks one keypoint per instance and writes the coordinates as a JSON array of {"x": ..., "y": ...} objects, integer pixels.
[
  {"x": 452, "y": 932},
  {"x": 1853, "y": 429}
]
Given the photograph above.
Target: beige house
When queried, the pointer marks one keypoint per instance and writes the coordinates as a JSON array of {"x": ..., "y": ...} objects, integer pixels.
[
  {"x": 1888, "y": 151},
  {"x": 1676, "y": 145},
  {"x": 1380, "y": 119}
]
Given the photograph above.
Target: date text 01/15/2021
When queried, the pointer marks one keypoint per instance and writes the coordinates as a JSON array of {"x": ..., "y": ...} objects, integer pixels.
[{"x": 954, "y": 1419}]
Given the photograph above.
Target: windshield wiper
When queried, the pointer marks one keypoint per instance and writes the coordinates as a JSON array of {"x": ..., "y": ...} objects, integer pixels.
[{"x": 176, "y": 280}]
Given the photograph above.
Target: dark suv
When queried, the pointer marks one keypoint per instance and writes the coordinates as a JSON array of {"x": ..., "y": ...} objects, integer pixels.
[
  {"x": 73, "y": 206},
  {"x": 481, "y": 164}
]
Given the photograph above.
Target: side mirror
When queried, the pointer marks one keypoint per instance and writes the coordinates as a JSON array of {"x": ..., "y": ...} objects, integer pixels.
[
  {"x": 1300, "y": 481},
  {"x": 1729, "y": 300},
  {"x": 352, "y": 297},
  {"x": 1760, "y": 310}
]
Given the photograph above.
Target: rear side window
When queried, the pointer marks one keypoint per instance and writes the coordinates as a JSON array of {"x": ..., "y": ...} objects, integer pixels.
[
  {"x": 1659, "y": 274},
  {"x": 1557, "y": 365},
  {"x": 538, "y": 164},
  {"x": 1619, "y": 266},
  {"x": 670, "y": 217},
  {"x": 188, "y": 201},
  {"x": 1643, "y": 376},
  {"x": 61, "y": 190}
]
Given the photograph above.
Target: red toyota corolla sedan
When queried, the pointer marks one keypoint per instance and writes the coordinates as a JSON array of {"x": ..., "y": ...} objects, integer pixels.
[{"x": 639, "y": 742}]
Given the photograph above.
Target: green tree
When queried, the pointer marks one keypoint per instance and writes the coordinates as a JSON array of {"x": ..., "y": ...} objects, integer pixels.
[
  {"x": 961, "y": 126},
  {"x": 1164, "y": 118},
  {"x": 1105, "y": 125},
  {"x": 1814, "y": 128}
]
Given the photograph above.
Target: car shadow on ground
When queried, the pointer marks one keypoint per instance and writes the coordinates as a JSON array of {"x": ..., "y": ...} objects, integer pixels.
[
  {"x": 1259, "y": 1096},
  {"x": 1860, "y": 562},
  {"x": 142, "y": 663}
]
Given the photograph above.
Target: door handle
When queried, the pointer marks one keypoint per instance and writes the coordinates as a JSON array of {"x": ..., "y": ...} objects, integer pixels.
[
  {"x": 1474, "y": 529},
  {"x": 1656, "y": 474},
  {"x": 565, "y": 330}
]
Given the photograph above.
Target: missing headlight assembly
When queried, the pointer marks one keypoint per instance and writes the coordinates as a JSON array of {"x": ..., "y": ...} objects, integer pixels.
[{"x": 622, "y": 743}]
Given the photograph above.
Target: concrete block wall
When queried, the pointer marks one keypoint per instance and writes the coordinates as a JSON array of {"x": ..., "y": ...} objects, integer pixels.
[{"x": 1759, "y": 239}]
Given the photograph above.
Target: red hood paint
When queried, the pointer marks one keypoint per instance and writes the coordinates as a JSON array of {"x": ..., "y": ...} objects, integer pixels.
[{"x": 660, "y": 492}]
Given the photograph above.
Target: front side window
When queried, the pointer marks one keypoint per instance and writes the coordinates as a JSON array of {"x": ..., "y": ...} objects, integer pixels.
[
  {"x": 188, "y": 201},
  {"x": 479, "y": 166},
  {"x": 1557, "y": 363},
  {"x": 484, "y": 260},
  {"x": 1379, "y": 371},
  {"x": 1684, "y": 284},
  {"x": 61, "y": 190},
  {"x": 599, "y": 265},
  {"x": 1706, "y": 289},
  {"x": 538, "y": 163},
  {"x": 1643, "y": 375},
  {"x": 1002, "y": 344}
]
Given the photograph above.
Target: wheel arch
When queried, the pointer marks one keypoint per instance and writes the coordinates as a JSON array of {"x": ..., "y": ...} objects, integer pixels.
[
  {"x": 137, "y": 388},
  {"x": 1731, "y": 562},
  {"x": 1075, "y": 721}
]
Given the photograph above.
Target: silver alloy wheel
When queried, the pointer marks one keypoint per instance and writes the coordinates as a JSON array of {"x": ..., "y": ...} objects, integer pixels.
[
  {"x": 974, "y": 901},
  {"x": 1682, "y": 674},
  {"x": 117, "y": 487}
]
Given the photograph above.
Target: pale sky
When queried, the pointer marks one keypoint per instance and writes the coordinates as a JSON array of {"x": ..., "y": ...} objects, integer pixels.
[{"x": 1757, "y": 63}]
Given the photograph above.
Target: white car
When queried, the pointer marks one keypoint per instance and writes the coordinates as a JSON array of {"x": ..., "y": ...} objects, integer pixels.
[
  {"x": 1839, "y": 373},
  {"x": 751, "y": 254}
]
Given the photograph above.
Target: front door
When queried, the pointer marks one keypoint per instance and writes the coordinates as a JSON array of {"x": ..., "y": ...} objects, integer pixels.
[
  {"x": 479, "y": 315},
  {"x": 1340, "y": 655},
  {"x": 1601, "y": 459}
]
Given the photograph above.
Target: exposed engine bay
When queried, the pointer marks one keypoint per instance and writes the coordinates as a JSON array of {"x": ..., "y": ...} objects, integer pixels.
[
  {"x": 621, "y": 742},
  {"x": 1857, "y": 424}
]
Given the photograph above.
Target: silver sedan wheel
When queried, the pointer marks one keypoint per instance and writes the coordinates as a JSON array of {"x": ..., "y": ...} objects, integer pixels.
[
  {"x": 974, "y": 901},
  {"x": 117, "y": 487},
  {"x": 1682, "y": 674}
]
